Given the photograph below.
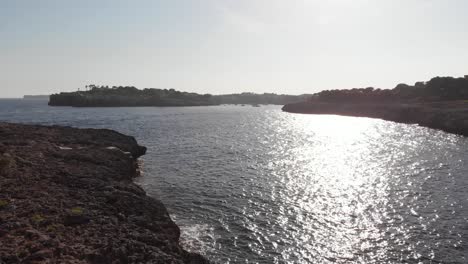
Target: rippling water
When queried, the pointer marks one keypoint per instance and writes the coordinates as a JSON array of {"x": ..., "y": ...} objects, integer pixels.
[{"x": 256, "y": 185}]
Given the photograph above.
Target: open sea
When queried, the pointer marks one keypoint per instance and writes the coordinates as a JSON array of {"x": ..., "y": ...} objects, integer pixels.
[{"x": 257, "y": 185}]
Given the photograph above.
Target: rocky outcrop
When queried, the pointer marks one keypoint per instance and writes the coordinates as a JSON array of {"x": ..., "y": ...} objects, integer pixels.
[
  {"x": 67, "y": 196},
  {"x": 449, "y": 116}
]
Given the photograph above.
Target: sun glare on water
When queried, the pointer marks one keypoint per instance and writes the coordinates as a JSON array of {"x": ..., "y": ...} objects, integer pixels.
[{"x": 341, "y": 193}]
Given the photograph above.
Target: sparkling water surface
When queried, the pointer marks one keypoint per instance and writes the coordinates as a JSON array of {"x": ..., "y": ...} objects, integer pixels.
[{"x": 257, "y": 185}]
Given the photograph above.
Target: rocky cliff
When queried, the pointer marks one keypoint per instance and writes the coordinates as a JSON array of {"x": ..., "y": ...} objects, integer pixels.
[
  {"x": 449, "y": 116},
  {"x": 67, "y": 196}
]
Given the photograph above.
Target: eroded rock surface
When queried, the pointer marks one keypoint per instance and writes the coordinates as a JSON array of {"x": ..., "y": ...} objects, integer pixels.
[{"x": 67, "y": 196}]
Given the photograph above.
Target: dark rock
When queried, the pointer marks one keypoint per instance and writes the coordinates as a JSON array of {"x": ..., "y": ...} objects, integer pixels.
[
  {"x": 70, "y": 198},
  {"x": 71, "y": 220},
  {"x": 449, "y": 116},
  {"x": 39, "y": 256}
]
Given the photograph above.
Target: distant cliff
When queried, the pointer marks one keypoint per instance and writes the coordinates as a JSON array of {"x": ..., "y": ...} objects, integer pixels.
[
  {"x": 440, "y": 103},
  {"x": 36, "y": 97}
]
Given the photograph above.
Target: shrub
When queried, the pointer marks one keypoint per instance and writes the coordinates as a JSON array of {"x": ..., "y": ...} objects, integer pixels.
[
  {"x": 77, "y": 211},
  {"x": 37, "y": 218},
  {"x": 53, "y": 228},
  {"x": 6, "y": 163},
  {"x": 3, "y": 204}
]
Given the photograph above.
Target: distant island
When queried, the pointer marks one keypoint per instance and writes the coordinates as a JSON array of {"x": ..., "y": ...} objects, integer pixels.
[
  {"x": 36, "y": 97},
  {"x": 440, "y": 103},
  {"x": 255, "y": 99},
  {"x": 105, "y": 96}
]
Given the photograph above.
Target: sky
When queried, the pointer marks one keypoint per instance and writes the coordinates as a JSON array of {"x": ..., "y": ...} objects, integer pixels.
[{"x": 229, "y": 46}]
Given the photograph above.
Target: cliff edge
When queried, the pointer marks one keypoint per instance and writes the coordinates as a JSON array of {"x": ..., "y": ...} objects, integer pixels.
[
  {"x": 67, "y": 196},
  {"x": 449, "y": 116}
]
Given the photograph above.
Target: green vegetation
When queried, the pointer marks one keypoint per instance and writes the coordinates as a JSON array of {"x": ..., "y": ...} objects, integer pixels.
[
  {"x": 3, "y": 203},
  {"x": 37, "y": 218},
  {"x": 6, "y": 163},
  {"x": 436, "y": 89},
  {"x": 131, "y": 96},
  {"x": 77, "y": 211},
  {"x": 53, "y": 228},
  {"x": 266, "y": 98}
]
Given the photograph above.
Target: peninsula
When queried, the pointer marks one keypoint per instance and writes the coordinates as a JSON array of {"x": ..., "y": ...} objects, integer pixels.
[
  {"x": 67, "y": 196},
  {"x": 116, "y": 96},
  {"x": 104, "y": 96},
  {"x": 440, "y": 103}
]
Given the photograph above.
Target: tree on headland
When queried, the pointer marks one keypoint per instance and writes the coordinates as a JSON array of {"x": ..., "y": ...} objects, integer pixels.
[
  {"x": 436, "y": 89},
  {"x": 129, "y": 96}
]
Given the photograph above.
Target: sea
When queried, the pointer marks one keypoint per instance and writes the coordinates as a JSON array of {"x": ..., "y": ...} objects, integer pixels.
[{"x": 257, "y": 185}]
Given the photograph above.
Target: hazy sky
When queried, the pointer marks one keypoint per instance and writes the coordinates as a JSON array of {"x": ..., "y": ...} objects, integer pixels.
[{"x": 222, "y": 46}]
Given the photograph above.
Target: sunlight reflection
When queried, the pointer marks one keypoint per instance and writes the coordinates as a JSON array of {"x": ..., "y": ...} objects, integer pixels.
[
  {"x": 339, "y": 186},
  {"x": 333, "y": 126}
]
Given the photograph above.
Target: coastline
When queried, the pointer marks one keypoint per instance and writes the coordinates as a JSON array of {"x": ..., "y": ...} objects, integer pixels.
[
  {"x": 448, "y": 116},
  {"x": 68, "y": 197}
]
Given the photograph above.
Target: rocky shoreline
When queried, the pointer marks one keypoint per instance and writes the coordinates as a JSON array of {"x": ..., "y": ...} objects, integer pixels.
[
  {"x": 448, "y": 116},
  {"x": 67, "y": 196}
]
